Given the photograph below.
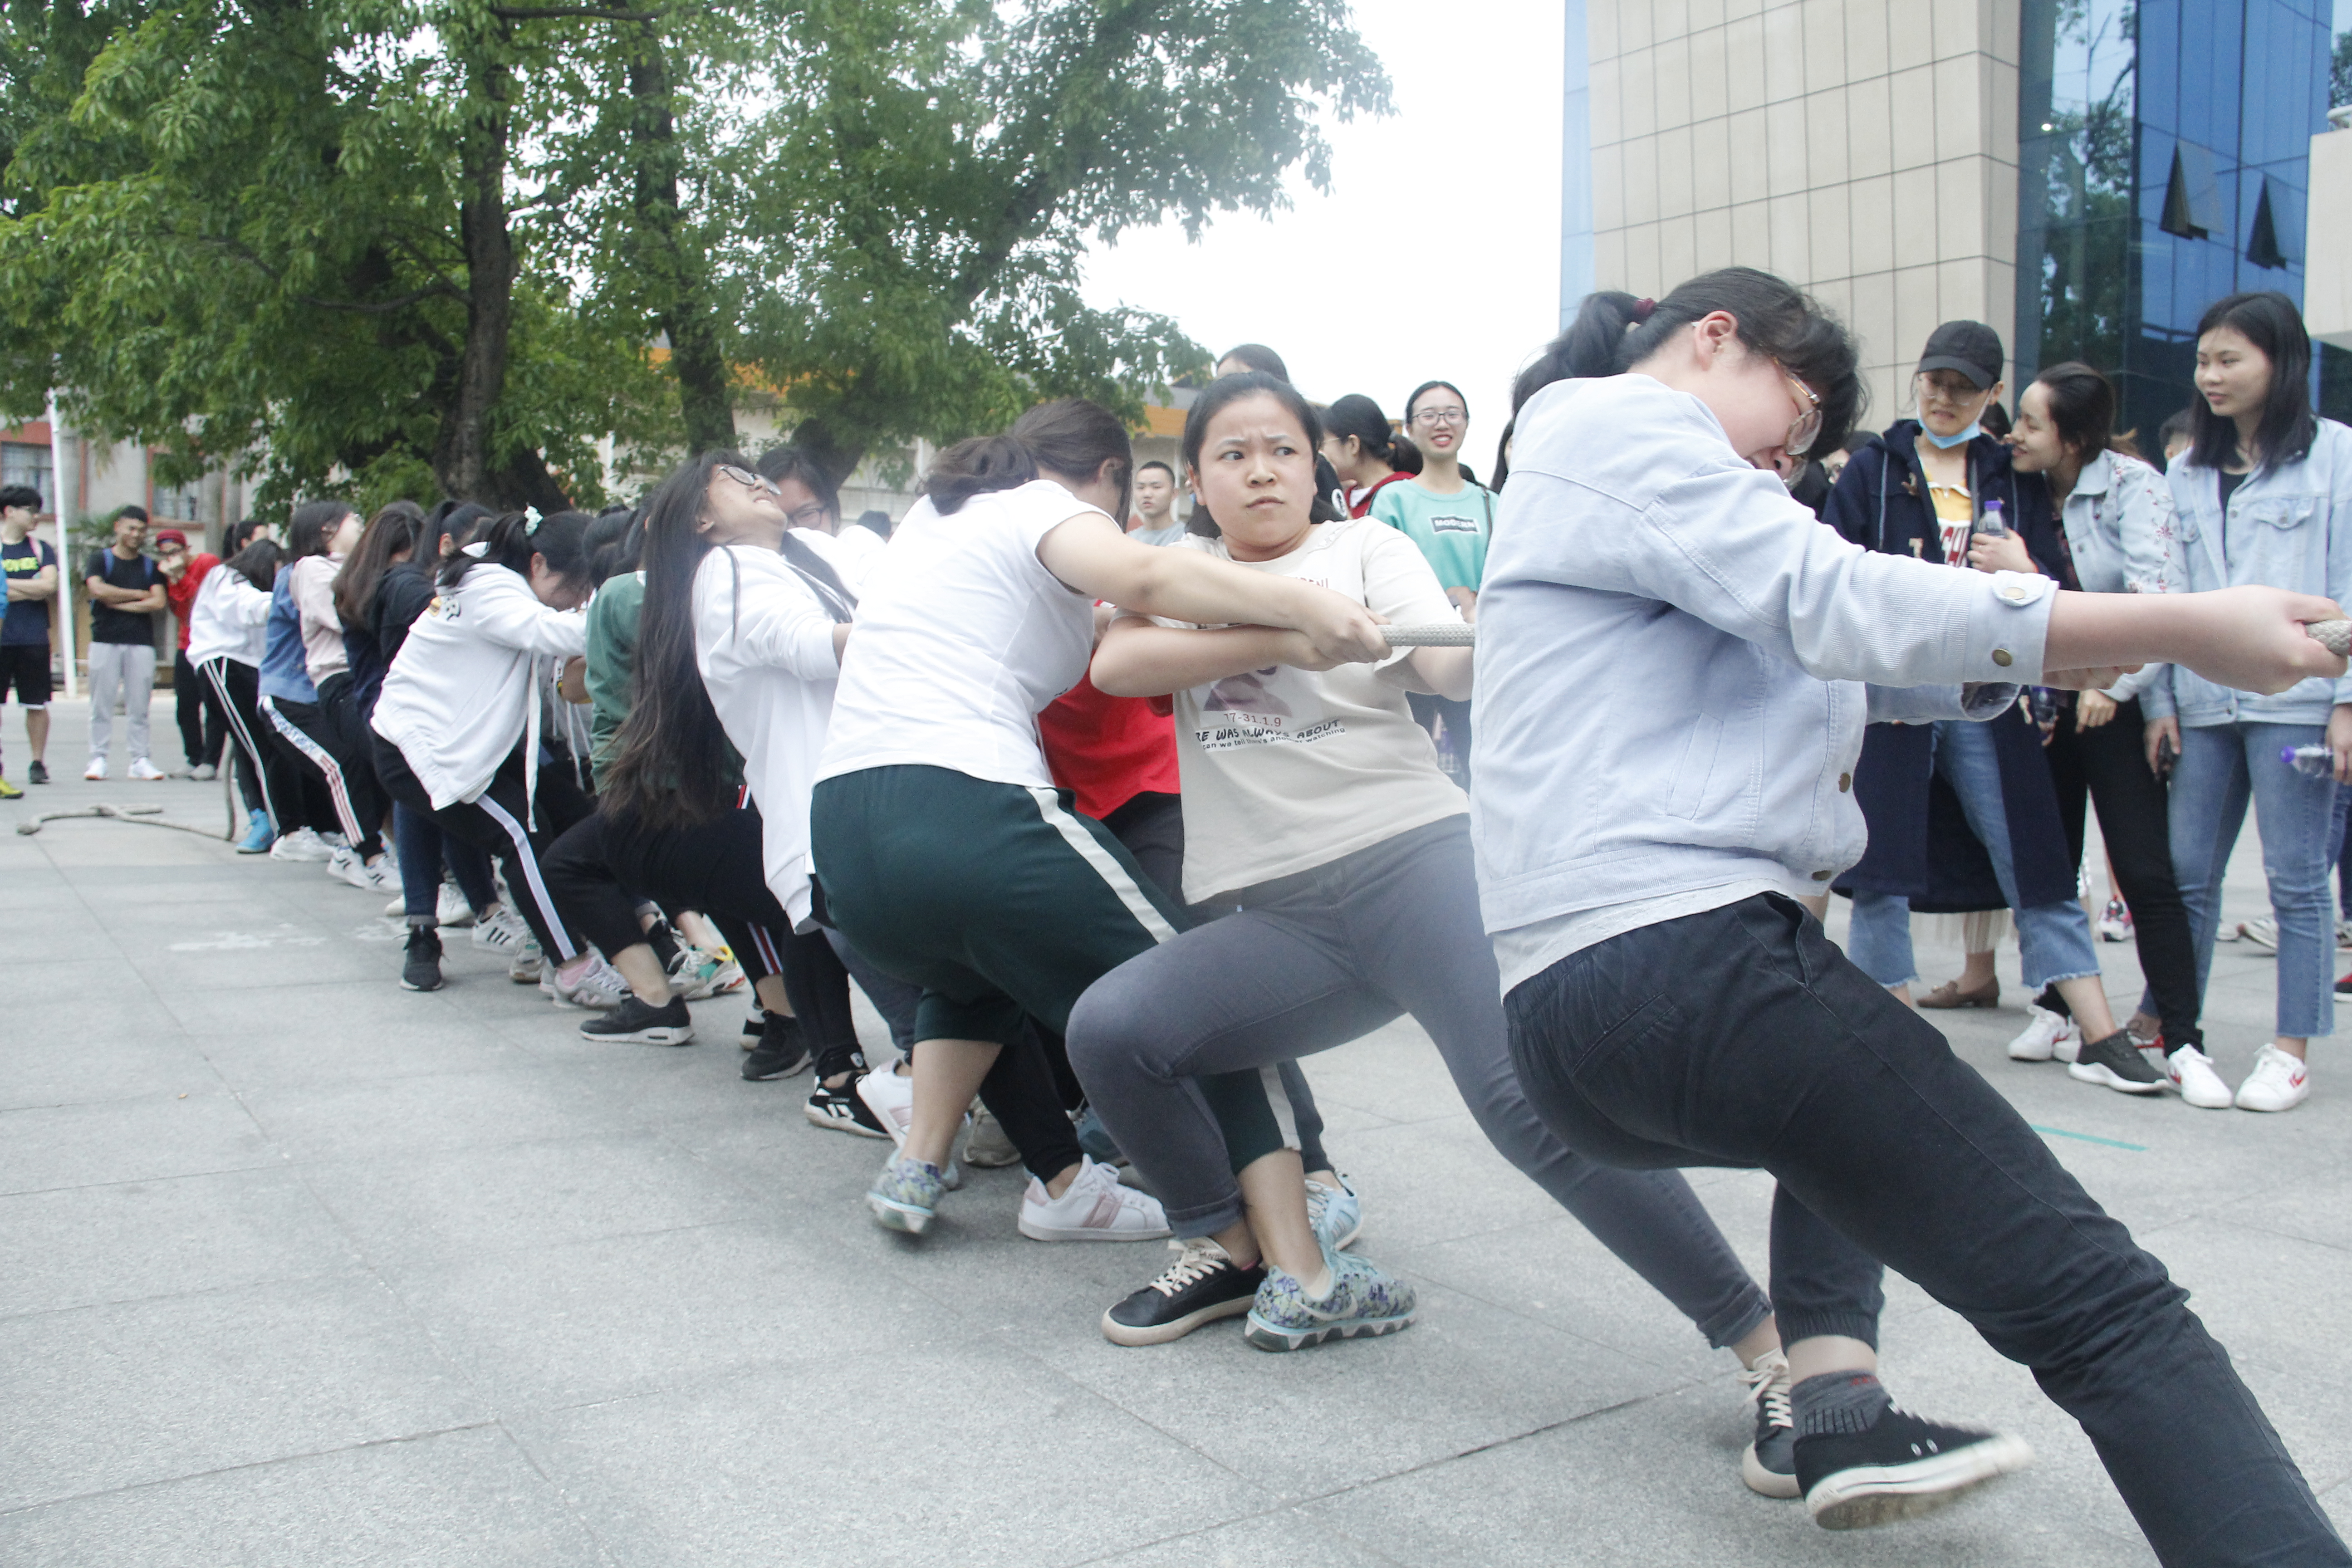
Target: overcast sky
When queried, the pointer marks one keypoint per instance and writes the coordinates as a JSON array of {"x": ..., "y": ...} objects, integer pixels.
[{"x": 1436, "y": 254}]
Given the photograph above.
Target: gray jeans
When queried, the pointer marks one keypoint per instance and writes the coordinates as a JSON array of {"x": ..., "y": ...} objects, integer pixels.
[
  {"x": 1316, "y": 960},
  {"x": 124, "y": 670}
]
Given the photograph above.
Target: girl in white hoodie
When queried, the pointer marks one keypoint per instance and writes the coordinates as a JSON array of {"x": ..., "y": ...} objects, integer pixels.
[
  {"x": 226, "y": 628},
  {"x": 458, "y": 726}
]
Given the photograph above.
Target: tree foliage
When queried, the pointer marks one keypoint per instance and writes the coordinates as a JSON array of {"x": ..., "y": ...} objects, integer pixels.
[{"x": 405, "y": 246}]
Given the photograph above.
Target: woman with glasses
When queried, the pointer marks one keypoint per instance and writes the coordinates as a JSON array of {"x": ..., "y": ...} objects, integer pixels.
[
  {"x": 1964, "y": 816},
  {"x": 1450, "y": 516},
  {"x": 2265, "y": 495},
  {"x": 1675, "y": 666}
]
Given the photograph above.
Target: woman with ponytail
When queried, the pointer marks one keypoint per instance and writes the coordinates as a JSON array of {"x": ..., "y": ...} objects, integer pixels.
[
  {"x": 1363, "y": 449},
  {"x": 458, "y": 723},
  {"x": 289, "y": 700},
  {"x": 1676, "y": 663},
  {"x": 944, "y": 850},
  {"x": 226, "y": 634}
]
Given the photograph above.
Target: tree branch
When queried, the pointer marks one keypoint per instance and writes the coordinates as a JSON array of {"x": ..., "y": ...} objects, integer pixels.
[{"x": 594, "y": 13}]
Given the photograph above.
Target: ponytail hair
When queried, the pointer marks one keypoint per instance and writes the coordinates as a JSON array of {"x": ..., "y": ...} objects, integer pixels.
[
  {"x": 1223, "y": 393},
  {"x": 511, "y": 541},
  {"x": 258, "y": 561},
  {"x": 1357, "y": 415},
  {"x": 1071, "y": 437},
  {"x": 1613, "y": 331}
]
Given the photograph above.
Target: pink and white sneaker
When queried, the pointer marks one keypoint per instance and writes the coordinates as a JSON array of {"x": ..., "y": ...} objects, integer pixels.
[{"x": 1095, "y": 1206}]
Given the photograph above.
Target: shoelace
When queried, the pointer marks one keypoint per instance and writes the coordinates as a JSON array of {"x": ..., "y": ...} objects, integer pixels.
[
  {"x": 1768, "y": 1384},
  {"x": 1197, "y": 1264},
  {"x": 1318, "y": 1201}
]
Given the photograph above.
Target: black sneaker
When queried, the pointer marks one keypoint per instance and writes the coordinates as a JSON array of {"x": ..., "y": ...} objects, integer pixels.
[
  {"x": 754, "y": 1027},
  {"x": 1202, "y": 1286},
  {"x": 1902, "y": 1467},
  {"x": 635, "y": 1022},
  {"x": 841, "y": 1111},
  {"x": 39, "y": 773},
  {"x": 2115, "y": 1062},
  {"x": 421, "y": 969},
  {"x": 1770, "y": 1465},
  {"x": 780, "y": 1052}
]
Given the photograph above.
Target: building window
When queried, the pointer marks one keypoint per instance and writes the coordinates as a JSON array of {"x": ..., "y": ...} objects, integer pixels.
[
  {"x": 2076, "y": 186},
  {"x": 23, "y": 463},
  {"x": 177, "y": 504}
]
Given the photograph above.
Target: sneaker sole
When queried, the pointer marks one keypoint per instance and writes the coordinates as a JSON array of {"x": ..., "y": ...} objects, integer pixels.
[
  {"x": 1860, "y": 1500},
  {"x": 2098, "y": 1073},
  {"x": 1086, "y": 1233},
  {"x": 408, "y": 984},
  {"x": 1120, "y": 1333},
  {"x": 1266, "y": 1337},
  {"x": 658, "y": 1035},
  {"x": 2044, "y": 1055},
  {"x": 893, "y": 1215},
  {"x": 850, "y": 1125},
  {"x": 2269, "y": 1110},
  {"x": 1764, "y": 1482}
]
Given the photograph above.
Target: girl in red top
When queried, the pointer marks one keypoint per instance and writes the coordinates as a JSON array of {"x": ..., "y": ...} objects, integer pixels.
[
  {"x": 1365, "y": 450},
  {"x": 204, "y": 726}
]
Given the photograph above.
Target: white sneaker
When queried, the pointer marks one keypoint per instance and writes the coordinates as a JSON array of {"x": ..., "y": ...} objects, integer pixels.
[
  {"x": 345, "y": 866},
  {"x": 97, "y": 769},
  {"x": 204, "y": 772},
  {"x": 505, "y": 931},
  {"x": 2278, "y": 1082},
  {"x": 2191, "y": 1072},
  {"x": 2042, "y": 1033},
  {"x": 528, "y": 965},
  {"x": 2261, "y": 932},
  {"x": 144, "y": 771},
  {"x": 451, "y": 908},
  {"x": 301, "y": 845},
  {"x": 890, "y": 1096},
  {"x": 398, "y": 909},
  {"x": 1094, "y": 1208},
  {"x": 2343, "y": 935},
  {"x": 597, "y": 986}
]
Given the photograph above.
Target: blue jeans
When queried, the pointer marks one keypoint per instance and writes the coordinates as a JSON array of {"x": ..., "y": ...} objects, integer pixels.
[
  {"x": 2221, "y": 767},
  {"x": 2054, "y": 939},
  {"x": 1740, "y": 1036},
  {"x": 424, "y": 849}
]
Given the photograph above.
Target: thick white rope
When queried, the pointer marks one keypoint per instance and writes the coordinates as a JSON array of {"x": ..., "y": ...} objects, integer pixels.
[
  {"x": 1436, "y": 634},
  {"x": 2335, "y": 636}
]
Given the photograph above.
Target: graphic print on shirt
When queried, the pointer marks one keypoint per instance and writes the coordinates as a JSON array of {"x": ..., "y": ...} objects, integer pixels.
[
  {"x": 1448, "y": 523},
  {"x": 1261, "y": 708}
]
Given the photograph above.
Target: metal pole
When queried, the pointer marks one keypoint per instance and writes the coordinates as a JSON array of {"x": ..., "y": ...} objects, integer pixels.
[{"x": 62, "y": 484}]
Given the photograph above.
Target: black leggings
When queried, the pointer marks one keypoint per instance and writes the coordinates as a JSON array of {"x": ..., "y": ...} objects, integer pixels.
[
  {"x": 603, "y": 865},
  {"x": 322, "y": 749},
  {"x": 2109, "y": 765},
  {"x": 501, "y": 821},
  {"x": 204, "y": 724},
  {"x": 265, "y": 776}
]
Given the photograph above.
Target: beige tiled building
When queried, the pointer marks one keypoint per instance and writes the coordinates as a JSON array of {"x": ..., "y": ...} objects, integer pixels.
[{"x": 1864, "y": 149}]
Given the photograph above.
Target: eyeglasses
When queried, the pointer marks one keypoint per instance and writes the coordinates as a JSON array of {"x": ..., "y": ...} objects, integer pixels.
[
  {"x": 809, "y": 516},
  {"x": 1806, "y": 428},
  {"x": 1950, "y": 386},
  {"x": 1441, "y": 417},
  {"x": 751, "y": 480}
]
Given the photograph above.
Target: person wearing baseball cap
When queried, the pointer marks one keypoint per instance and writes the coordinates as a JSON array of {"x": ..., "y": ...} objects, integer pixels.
[
  {"x": 1941, "y": 488},
  {"x": 203, "y": 728}
]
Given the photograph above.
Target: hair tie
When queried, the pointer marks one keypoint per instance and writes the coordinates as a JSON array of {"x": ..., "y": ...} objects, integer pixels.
[
  {"x": 532, "y": 520},
  {"x": 1641, "y": 309},
  {"x": 478, "y": 549}
]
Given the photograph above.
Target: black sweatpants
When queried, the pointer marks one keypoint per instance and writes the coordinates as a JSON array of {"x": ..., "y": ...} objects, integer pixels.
[
  {"x": 603, "y": 864},
  {"x": 2109, "y": 765},
  {"x": 501, "y": 821},
  {"x": 266, "y": 777},
  {"x": 203, "y": 724},
  {"x": 319, "y": 748}
]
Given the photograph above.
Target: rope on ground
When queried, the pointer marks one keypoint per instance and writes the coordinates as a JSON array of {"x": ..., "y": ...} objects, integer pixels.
[{"x": 143, "y": 816}]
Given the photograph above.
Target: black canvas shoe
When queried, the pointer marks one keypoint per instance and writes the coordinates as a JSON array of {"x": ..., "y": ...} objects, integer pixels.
[
  {"x": 420, "y": 970},
  {"x": 39, "y": 773},
  {"x": 1202, "y": 1286},
  {"x": 635, "y": 1023},
  {"x": 1902, "y": 1467},
  {"x": 841, "y": 1111},
  {"x": 1769, "y": 1464},
  {"x": 2115, "y": 1062},
  {"x": 781, "y": 1053}
]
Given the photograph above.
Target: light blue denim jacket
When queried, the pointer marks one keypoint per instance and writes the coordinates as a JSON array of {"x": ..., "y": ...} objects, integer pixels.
[
  {"x": 1671, "y": 660},
  {"x": 2289, "y": 527},
  {"x": 2121, "y": 530}
]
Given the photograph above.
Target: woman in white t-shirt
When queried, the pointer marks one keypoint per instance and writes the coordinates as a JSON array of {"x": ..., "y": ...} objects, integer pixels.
[
  {"x": 1330, "y": 859},
  {"x": 941, "y": 845}
]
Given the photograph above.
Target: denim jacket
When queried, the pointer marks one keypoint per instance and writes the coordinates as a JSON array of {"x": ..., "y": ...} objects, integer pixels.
[
  {"x": 284, "y": 673},
  {"x": 2288, "y": 527},
  {"x": 2124, "y": 539},
  {"x": 1671, "y": 654}
]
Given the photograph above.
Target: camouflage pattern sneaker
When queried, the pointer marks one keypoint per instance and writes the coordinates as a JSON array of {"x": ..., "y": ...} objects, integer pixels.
[
  {"x": 907, "y": 1194},
  {"x": 1361, "y": 1301}
]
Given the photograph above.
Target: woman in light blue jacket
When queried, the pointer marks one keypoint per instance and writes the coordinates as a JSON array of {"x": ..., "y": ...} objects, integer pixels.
[{"x": 2263, "y": 496}]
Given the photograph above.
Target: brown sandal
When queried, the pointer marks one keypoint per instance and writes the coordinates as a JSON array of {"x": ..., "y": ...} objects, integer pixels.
[{"x": 1950, "y": 995}]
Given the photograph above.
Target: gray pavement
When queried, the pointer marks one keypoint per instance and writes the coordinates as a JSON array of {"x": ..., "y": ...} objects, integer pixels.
[{"x": 297, "y": 1268}]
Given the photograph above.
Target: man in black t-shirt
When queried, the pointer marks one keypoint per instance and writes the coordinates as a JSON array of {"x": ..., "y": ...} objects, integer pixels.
[
  {"x": 30, "y": 568},
  {"x": 127, "y": 591}
]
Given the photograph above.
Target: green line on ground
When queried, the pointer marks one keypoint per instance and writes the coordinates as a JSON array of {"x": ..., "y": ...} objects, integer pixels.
[{"x": 2089, "y": 1138}]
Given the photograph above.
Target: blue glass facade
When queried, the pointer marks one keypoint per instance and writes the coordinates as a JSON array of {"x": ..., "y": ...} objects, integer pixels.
[{"x": 2163, "y": 163}]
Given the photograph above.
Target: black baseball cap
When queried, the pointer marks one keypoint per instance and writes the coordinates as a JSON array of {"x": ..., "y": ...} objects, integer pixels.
[{"x": 1970, "y": 347}]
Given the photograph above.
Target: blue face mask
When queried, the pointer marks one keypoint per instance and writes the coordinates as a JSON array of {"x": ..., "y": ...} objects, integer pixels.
[{"x": 1946, "y": 443}]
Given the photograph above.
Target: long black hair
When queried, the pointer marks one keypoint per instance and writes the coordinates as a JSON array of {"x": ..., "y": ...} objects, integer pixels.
[
  {"x": 1357, "y": 415},
  {"x": 2270, "y": 321},
  {"x": 670, "y": 761},
  {"x": 1072, "y": 437},
  {"x": 313, "y": 522},
  {"x": 258, "y": 561},
  {"x": 394, "y": 529},
  {"x": 1223, "y": 393},
  {"x": 1613, "y": 331},
  {"x": 515, "y": 538}
]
